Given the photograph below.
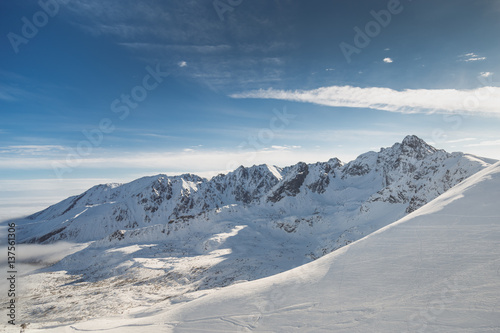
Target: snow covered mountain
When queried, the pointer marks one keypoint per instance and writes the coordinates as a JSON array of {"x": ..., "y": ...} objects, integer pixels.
[
  {"x": 435, "y": 270},
  {"x": 407, "y": 175},
  {"x": 168, "y": 239}
]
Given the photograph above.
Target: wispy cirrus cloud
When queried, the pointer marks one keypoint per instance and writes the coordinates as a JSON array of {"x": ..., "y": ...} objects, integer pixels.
[
  {"x": 485, "y": 74},
  {"x": 484, "y": 101},
  {"x": 485, "y": 143},
  {"x": 276, "y": 147},
  {"x": 11, "y": 93},
  {"x": 471, "y": 56},
  {"x": 6, "y": 97},
  {"x": 31, "y": 149},
  {"x": 187, "y": 160},
  {"x": 15, "y": 88},
  {"x": 145, "y": 21},
  {"x": 202, "y": 49},
  {"x": 461, "y": 140},
  {"x": 219, "y": 55}
]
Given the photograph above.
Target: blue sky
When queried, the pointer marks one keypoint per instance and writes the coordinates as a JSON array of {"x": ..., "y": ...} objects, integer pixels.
[{"x": 101, "y": 90}]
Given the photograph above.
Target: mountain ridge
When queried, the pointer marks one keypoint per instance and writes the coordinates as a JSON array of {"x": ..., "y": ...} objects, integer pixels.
[
  {"x": 436, "y": 268},
  {"x": 400, "y": 174}
]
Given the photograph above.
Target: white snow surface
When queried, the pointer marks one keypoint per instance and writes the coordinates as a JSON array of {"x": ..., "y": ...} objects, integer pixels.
[
  {"x": 159, "y": 243},
  {"x": 435, "y": 270}
]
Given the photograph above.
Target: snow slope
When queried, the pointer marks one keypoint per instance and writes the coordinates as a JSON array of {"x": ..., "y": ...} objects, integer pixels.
[
  {"x": 169, "y": 240},
  {"x": 398, "y": 179},
  {"x": 308, "y": 209},
  {"x": 435, "y": 270}
]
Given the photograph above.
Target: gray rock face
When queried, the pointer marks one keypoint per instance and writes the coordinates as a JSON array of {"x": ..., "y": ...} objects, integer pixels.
[
  {"x": 292, "y": 183},
  {"x": 410, "y": 173}
]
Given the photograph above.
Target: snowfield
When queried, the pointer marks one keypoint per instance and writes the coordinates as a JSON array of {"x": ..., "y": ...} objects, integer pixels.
[
  {"x": 309, "y": 247},
  {"x": 435, "y": 270}
]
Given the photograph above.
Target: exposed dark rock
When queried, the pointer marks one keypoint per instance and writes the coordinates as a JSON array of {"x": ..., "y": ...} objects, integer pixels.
[{"x": 291, "y": 185}]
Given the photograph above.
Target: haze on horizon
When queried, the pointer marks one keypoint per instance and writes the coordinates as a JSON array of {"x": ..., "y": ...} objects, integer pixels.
[{"x": 100, "y": 91}]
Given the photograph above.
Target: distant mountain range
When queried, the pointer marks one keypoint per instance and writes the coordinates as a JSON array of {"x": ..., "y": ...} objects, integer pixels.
[
  {"x": 185, "y": 234},
  {"x": 436, "y": 270}
]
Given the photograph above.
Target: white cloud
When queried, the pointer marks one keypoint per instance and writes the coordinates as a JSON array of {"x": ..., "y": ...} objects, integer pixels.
[
  {"x": 486, "y": 74},
  {"x": 476, "y": 59},
  {"x": 468, "y": 57},
  {"x": 484, "y": 101},
  {"x": 388, "y": 60},
  {"x": 485, "y": 143},
  {"x": 275, "y": 147},
  {"x": 156, "y": 47},
  {"x": 171, "y": 162},
  {"x": 38, "y": 147},
  {"x": 461, "y": 140},
  {"x": 159, "y": 136},
  {"x": 31, "y": 149}
]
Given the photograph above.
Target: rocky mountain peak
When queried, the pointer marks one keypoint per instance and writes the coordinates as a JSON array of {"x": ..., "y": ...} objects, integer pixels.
[
  {"x": 408, "y": 174},
  {"x": 192, "y": 178},
  {"x": 416, "y": 146}
]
